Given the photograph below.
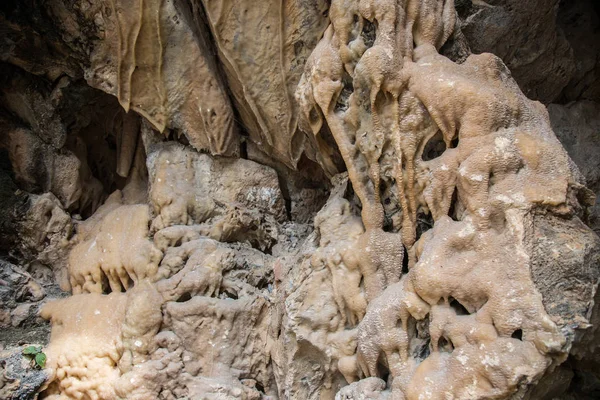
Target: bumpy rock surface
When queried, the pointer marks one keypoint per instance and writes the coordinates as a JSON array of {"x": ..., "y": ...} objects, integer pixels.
[{"x": 355, "y": 199}]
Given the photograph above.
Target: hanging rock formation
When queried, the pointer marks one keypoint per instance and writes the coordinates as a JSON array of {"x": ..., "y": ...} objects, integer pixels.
[{"x": 299, "y": 200}]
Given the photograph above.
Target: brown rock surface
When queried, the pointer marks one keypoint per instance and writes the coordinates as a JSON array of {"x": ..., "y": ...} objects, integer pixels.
[
  {"x": 577, "y": 125},
  {"x": 306, "y": 199},
  {"x": 550, "y": 46},
  {"x": 263, "y": 47}
]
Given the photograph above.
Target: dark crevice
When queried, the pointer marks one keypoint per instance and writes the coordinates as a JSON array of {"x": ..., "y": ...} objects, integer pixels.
[
  {"x": 326, "y": 140},
  {"x": 458, "y": 308},
  {"x": 434, "y": 148},
  {"x": 288, "y": 208},
  {"x": 424, "y": 223},
  {"x": 230, "y": 294},
  {"x": 492, "y": 180},
  {"x": 343, "y": 100},
  {"x": 464, "y": 8},
  {"x": 120, "y": 286},
  {"x": 86, "y": 212},
  {"x": 424, "y": 351},
  {"x": 405, "y": 262},
  {"x": 262, "y": 284},
  {"x": 184, "y": 297},
  {"x": 105, "y": 284},
  {"x": 454, "y": 143},
  {"x": 260, "y": 387},
  {"x": 518, "y": 334},
  {"x": 383, "y": 370},
  {"x": 452, "y": 212},
  {"x": 268, "y": 250},
  {"x": 369, "y": 33},
  {"x": 445, "y": 345},
  {"x": 244, "y": 149},
  {"x": 388, "y": 224}
]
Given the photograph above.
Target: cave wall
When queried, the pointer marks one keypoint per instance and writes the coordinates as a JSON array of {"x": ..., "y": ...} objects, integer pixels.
[{"x": 300, "y": 200}]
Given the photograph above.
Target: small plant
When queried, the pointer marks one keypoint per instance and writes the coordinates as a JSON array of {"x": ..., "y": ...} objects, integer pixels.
[{"x": 35, "y": 354}]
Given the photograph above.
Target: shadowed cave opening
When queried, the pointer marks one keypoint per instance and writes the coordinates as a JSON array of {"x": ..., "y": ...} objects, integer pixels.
[
  {"x": 424, "y": 223},
  {"x": 405, "y": 261},
  {"x": 445, "y": 345},
  {"x": 107, "y": 289},
  {"x": 434, "y": 148},
  {"x": 96, "y": 120},
  {"x": 458, "y": 308},
  {"x": 453, "y": 210},
  {"x": 259, "y": 386},
  {"x": 343, "y": 100},
  {"x": 230, "y": 294},
  {"x": 369, "y": 32},
  {"x": 174, "y": 135},
  {"x": 104, "y": 282},
  {"x": 184, "y": 297},
  {"x": 383, "y": 369},
  {"x": 518, "y": 334},
  {"x": 84, "y": 124}
]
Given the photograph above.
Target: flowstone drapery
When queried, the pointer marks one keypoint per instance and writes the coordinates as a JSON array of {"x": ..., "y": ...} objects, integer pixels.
[
  {"x": 378, "y": 82},
  {"x": 305, "y": 199}
]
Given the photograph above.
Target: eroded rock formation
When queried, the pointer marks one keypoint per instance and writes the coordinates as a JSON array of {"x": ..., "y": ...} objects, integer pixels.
[{"x": 299, "y": 200}]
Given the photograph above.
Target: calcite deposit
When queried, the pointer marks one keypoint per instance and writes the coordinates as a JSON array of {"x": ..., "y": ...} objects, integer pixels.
[{"x": 345, "y": 199}]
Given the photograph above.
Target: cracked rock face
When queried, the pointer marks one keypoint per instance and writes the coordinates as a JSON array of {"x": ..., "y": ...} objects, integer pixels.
[{"x": 346, "y": 199}]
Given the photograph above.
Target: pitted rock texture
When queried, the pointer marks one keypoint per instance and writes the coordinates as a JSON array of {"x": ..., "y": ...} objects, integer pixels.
[{"x": 346, "y": 199}]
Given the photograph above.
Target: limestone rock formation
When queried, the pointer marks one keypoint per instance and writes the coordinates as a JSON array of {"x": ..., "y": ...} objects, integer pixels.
[
  {"x": 578, "y": 127},
  {"x": 551, "y": 47},
  {"x": 309, "y": 199}
]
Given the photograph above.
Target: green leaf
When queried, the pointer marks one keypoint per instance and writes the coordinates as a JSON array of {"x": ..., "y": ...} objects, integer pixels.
[
  {"x": 31, "y": 350},
  {"x": 40, "y": 360}
]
